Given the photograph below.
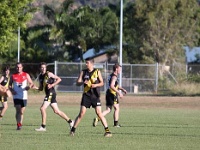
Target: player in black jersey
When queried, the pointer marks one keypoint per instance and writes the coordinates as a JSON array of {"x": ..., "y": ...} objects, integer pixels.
[
  {"x": 112, "y": 96},
  {"x": 4, "y": 81},
  {"x": 47, "y": 82},
  {"x": 92, "y": 80}
]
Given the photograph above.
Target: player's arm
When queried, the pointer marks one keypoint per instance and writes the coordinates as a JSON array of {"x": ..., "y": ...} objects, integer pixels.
[
  {"x": 112, "y": 86},
  {"x": 123, "y": 90},
  {"x": 101, "y": 83},
  {"x": 11, "y": 86},
  {"x": 40, "y": 88},
  {"x": 1, "y": 79},
  {"x": 79, "y": 80},
  {"x": 30, "y": 82},
  {"x": 56, "y": 78}
]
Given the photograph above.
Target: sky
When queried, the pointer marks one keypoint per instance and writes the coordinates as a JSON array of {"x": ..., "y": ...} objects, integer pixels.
[{"x": 191, "y": 52}]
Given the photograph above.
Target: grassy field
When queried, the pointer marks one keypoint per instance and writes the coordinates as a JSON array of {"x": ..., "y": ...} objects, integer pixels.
[{"x": 151, "y": 123}]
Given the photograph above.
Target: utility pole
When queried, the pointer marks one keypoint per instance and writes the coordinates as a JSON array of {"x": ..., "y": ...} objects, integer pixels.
[
  {"x": 121, "y": 35},
  {"x": 18, "y": 58}
]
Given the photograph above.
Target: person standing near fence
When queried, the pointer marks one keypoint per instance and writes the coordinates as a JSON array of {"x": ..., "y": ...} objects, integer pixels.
[
  {"x": 112, "y": 94},
  {"x": 4, "y": 82},
  {"x": 92, "y": 80},
  {"x": 47, "y": 81},
  {"x": 20, "y": 83}
]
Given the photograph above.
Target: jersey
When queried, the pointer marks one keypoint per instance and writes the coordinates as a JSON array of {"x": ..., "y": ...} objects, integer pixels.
[
  {"x": 20, "y": 82},
  {"x": 44, "y": 81},
  {"x": 6, "y": 81},
  {"x": 92, "y": 78},
  {"x": 116, "y": 83}
]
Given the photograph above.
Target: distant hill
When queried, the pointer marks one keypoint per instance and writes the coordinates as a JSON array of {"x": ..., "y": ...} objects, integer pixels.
[
  {"x": 40, "y": 19},
  {"x": 93, "y": 3}
]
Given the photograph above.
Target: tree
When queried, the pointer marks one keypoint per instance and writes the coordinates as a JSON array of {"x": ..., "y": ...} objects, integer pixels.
[
  {"x": 91, "y": 28},
  {"x": 37, "y": 46},
  {"x": 56, "y": 18},
  {"x": 73, "y": 31},
  {"x": 13, "y": 14},
  {"x": 166, "y": 26}
]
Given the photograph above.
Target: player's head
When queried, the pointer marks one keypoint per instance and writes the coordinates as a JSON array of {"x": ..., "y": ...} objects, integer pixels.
[
  {"x": 19, "y": 67},
  {"x": 89, "y": 59},
  {"x": 43, "y": 64},
  {"x": 116, "y": 67},
  {"x": 6, "y": 69},
  {"x": 89, "y": 62},
  {"x": 43, "y": 67}
]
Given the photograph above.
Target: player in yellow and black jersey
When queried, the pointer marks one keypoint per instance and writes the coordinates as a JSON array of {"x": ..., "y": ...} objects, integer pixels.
[
  {"x": 5, "y": 82},
  {"x": 48, "y": 81},
  {"x": 112, "y": 94},
  {"x": 92, "y": 80}
]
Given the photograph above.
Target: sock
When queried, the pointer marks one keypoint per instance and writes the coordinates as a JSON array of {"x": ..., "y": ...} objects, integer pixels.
[
  {"x": 115, "y": 123},
  {"x": 69, "y": 121},
  {"x": 19, "y": 124},
  {"x": 106, "y": 129},
  {"x": 73, "y": 129},
  {"x": 1, "y": 116},
  {"x": 98, "y": 118},
  {"x": 44, "y": 126}
]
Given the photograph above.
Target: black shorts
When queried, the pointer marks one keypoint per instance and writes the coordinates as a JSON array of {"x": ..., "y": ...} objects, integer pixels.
[
  {"x": 51, "y": 98},
  {"x": 22, "y": 102},
  {"x": 111, "y": 99},
  {"x": 89, "y": 101},
  {"x": 3, "y": 99}
]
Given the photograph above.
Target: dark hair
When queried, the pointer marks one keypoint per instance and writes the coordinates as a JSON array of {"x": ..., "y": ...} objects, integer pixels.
[
  {"x": 43, "y": 63},
  {"x": 6, "y": 68},
  {"x": 91, "y": 59},
  {"x": 115, "y": 66},
  {"x": 19, "y": 63}
]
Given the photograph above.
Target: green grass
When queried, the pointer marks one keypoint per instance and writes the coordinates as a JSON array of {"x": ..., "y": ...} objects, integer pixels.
[{"x": 143, "y": 129}]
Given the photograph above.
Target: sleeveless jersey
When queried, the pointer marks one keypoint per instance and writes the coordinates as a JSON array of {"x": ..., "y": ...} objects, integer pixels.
[
  {"x": 92, "y": 78},
  {"x": 6, "y": 81},
  {"x": 116, "y": 83},
  {"x": 19, "y": 84},
  {"x": 44, "y": 81}
]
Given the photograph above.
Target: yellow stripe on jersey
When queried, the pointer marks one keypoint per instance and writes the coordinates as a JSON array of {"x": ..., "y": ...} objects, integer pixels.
[
  {"x": 7, "y": 84},
  {"x": 50, "y": 97},
  {"x": 92, "y": 80},
  {"x": 112, "y": 91}
]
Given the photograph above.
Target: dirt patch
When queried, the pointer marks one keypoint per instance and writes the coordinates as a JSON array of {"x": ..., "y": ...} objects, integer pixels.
[{"x": 127, "y": 101}]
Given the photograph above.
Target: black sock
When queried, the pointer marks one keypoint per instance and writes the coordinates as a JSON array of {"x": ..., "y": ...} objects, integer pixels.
[
  {"x": 115, "y": 123},
  {"x": 106, "y": 129},
  {"x": 43, "y": 125},
  {"x": 69, "y": 121},
  {"x": 73, "y": 129}
]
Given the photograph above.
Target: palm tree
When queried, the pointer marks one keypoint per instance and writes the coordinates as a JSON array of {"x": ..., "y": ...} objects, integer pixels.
[{"x": 91, "y": 28}]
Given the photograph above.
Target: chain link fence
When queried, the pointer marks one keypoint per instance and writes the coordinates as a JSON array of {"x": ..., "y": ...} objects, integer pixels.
[{"x": 136, "y": 78}]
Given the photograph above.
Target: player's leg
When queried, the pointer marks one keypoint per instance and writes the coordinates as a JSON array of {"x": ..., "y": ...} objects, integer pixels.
[
  {"x": 78, "y": 119},
  {"x": 19, "y": 115},
  {"x": 57, "y": 111},
  {"x": 43, "y": 111},
  {"x": 104, "y": 113},
  {"x": 43, "y": 108},
  {"x": 107, "y": 111},
  {"x": 3, "y": 109},
  {"x": 116, "y": 115},
  {"x": 103, "y": 121},
  {"x": 22, "y": 110}
]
